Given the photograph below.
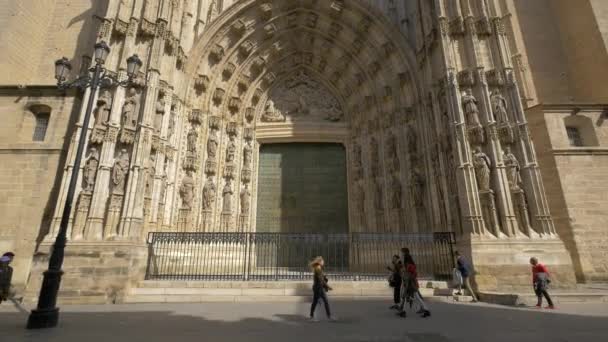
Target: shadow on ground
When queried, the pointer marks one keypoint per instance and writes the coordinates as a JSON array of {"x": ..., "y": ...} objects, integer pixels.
[{"x": 359, "y": 321}]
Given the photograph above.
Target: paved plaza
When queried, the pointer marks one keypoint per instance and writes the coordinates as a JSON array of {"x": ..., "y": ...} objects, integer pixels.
[{"x": 359, "y": 321}]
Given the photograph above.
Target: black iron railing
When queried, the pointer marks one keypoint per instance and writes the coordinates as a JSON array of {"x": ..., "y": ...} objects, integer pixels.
[{"x": 285, "y": 256}]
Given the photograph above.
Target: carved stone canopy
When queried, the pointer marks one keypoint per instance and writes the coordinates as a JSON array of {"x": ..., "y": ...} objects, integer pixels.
[{"x": 299, "y": 97}]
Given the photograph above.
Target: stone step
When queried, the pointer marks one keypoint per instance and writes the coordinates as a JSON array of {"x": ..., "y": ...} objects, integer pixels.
[
  {"x": 153, "y": 291},
  {"x": 529, "y": 299}
]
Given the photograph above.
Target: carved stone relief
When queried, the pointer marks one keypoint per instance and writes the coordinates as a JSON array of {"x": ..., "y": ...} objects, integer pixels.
[
  {"x": 186, "y": 191},
  {"x": 160, "y": 112},
  {"x": 245, "y": 200},
  {"x": 212, "y": 143},
  {"x": 90, "y": 170},
  {"x": 482, "y": 165},
  {"x": 300, "y": 97},
  {"x": 227, "y": 194},
  {"x": 209, "y": 193},
  {"x": 119, "y": 172}
]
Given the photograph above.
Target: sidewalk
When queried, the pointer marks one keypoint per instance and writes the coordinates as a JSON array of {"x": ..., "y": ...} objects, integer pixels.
[{"x": 360, "y": 321}]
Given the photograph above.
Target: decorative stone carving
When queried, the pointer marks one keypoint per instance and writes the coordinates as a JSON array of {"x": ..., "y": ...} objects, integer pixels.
[
  {"x": 249, "y": 114},
  {"x": 379, "y": 196},
  {"x": 227, "y": 194},
  {"x": 247, "y": 154},
  {"x": 160, "y": 113},
  {"x": 271, "y": 114},
  {"x": 209, "y": 193},
  {"x": 102, "y": 112},
  {"x": 245, "y": 200},
  {"x": 150, "y": 173},
  {"x": 469, "y": 103},
  {"x": 119, "y": 172},
  {"x": 482, "y": 165},
  {"x": 129, "y": 109},
  {"x": 234, "y": 104},
  {"x": 90, "y": 170},
  {"x": 513, "y": 168},
  {"x": 392, "y": 154},
  {"x": 192, "y": 140},
  {"x": 210, "y": 167},
  {"x": 217, "y": 53},
  {"x": 201, "y": 83},
  {"x": 196, "y": 116},
  {"x": 396, "y": 193},
  {"x": 231, "y": 150},
  {"x": 218, "y": 95},
  {"x": 375, "y": 157},
  {"x": 499, "y": 106},
  {"x": 186, "y": 191},
  {"x": 212, "y": 143},
  {"x": 417, "y": 184},
  {"x": 300, "y": 97}
]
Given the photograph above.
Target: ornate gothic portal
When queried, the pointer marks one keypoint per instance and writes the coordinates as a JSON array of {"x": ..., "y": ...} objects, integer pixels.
[{"x": 434, "y": 130}]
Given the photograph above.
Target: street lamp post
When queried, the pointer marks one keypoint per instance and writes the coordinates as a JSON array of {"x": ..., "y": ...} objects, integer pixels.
[{"x": 46, "y": 315}]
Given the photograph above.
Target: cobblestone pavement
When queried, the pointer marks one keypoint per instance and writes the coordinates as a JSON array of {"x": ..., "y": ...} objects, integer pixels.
[{"x": 359, "y": 321}]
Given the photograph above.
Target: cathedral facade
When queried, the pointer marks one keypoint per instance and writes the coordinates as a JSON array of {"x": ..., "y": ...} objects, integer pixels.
[{"x": 484, "y": 118}]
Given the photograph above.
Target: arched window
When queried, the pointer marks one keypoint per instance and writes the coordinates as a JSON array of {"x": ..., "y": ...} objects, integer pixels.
[
  {"x": 42, "y": 115},
  {"x": 580, "y": 131}
]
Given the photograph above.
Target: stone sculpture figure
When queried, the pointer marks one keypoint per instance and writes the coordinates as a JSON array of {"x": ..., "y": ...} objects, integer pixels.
[
  {"x": 227, "y": 193},
  {"x": 160, "y": 113},
  {"x": 513, "y": 168},
  {"x": 375, "y": 158},
  {"x": 90, "y": 170},
  {"x": 192, "y": 140},
  {"x": 171, "y": 127},
  {"x": 230, "y": 151},
  {"x": 469, "y": 103},
  {"x": 397, "y": 193},
  {"x": 417, "y": 184},
  {"x": 379, "y": 200},
  {"x": 102, "y": 112},
  {"x": 482, "y": 165},
  {"x": 499, "y": 105},
  {"x": 119, "y": 172},
  {"x": 245, "y": 200},
  {"x": 150, "y": 176},
  {"x": 129, "y": 109},
  {"x": 186, "y": 191},
  {"x": 212, "y": 143},
  {"x": 247, "y": 154},
  {"x": 271, "y": 114},
  {"x": 209, "y": 192}
]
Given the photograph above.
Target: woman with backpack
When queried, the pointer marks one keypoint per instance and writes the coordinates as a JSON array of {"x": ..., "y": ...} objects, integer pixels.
[{"x": 319, "y": 289}]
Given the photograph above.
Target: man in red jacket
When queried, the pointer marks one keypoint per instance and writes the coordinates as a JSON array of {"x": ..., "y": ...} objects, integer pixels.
[{"x": 540, "y": 280}]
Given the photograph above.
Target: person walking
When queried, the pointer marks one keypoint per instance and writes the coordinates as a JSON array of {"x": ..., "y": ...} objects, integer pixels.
[
  {"x": 395, "y": 280},
  {"x": 319, "y": 289},
  {"x": 464, "y": 267},
  {"x": 6, "y": 275},
  {"x": 540, "y": 281},
  {"x": 410, "y": 288}
]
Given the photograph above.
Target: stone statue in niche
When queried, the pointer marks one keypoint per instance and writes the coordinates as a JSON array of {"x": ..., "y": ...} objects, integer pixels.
[
  {"x": 192, "y": 139},
  {"x": 245, "y": 200},
  {"x": 499, "y": 106},
  {"x": 397, "y": 193},
  {"x": 209, "y": 192},
  {"x": 119, "y": 172},
  {"x": 231, "y": 150},
  {"x": 160, "y": 113},
  {"x": 186, "y": 191},
  {"x": 90, "y": 170},
  {"x": 412, "y": 138},
  {"x": 150, "y": 176},
  {"x": 391, "y": 147},
  {"x": 102, "y": 112},
  {"x": 171, "y": 127},
  {"x": 482, "y": 165},
  {"x": 375, "y": 158},
  {"x": 469, "y": 104},
  {"x": 247, "y": 154},
  {"x": 227, "y": 193},
  {"x": 129, "y": 109},
  {"x": 271, "y": 114},
  {"x": 417, "y": 184},
  {"x": 378, "y": 200},
  {"x": 212, "y": 143},
  {"x": 512, "y": 166},
  {"x": 300, "y": 97}
]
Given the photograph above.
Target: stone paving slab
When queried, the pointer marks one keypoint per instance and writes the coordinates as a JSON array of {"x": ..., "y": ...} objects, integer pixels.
[{"x": 360, "y": 321}]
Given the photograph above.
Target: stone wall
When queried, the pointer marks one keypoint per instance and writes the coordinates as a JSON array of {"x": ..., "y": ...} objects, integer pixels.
[{"x": 29, "y": 170}]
